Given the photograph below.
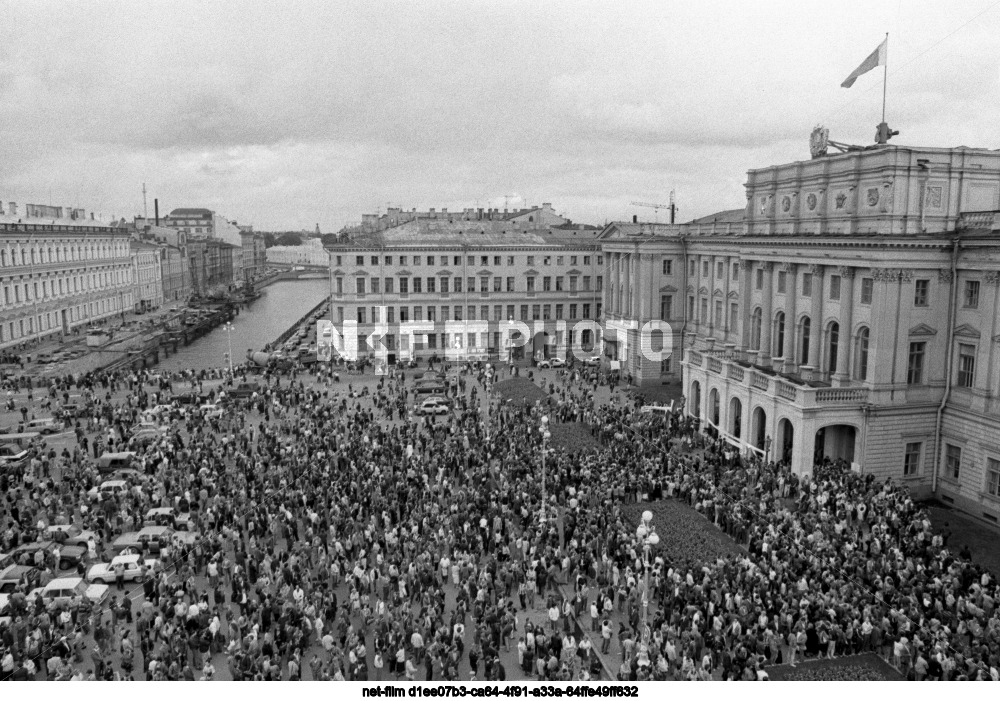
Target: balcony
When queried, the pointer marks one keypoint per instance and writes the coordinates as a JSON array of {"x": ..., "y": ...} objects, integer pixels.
[{"x": 784, "y": 388}]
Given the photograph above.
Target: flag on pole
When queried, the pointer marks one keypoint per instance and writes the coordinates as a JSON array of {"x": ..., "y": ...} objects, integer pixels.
[{"x": 877, "y": 58}]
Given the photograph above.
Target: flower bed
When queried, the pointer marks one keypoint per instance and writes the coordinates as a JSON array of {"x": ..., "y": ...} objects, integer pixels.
[
  {"x": 687, "y": 539},
  {"x": 520, "y": 391},
  {"x": 857, "y": 668}
]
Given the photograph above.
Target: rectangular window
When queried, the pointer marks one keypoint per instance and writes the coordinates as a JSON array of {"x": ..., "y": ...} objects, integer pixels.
[
  {"x": 704, "y": 311},
  {"x": 668, "y": 265},
  {"x": 388, "y": 260},
  {"x": 759, "y": 279},
  {"x": 340, "y": 286},
  {"x": 418, "y": 313},
  {"x": 445, "y": 313},
  {"x": 404, "y": 286},
  {"x": 921, "y": 292},
  {"x": 559, "y": 283},
  {"x": 586, "y": 282},
  {"x": 546, "y": 312},
  {"x": 559, "y": 311},
  {"x": 720, "y": 270},
  {"x": 572, "y": 311},
  {"x": 600, "y": 283},
  {"x": 402, "y": 260},
  {"x": 734, "y": 316},
  {"x": 431, "y": 283},
  {"x": 375, "y": 285},
  {"x": 546, "y": 260},
  {"x": 340, "y": 315},
  {"x": 718, "y": 312},
  {"x": 953, "y": 460},
  {"x": 470, "y": 284},
  {"x": 572, "y": 283},
  {"x": 993, "y": 477},
  {"x": 966, "y": 364},
  {"x": 497, "y": 282},
  {"x": 736, "y": 271},
  {"x": 390, "y": 315},
  {"x": 458, "y": 313},
  {"x": 444, "y": 285},
  {"x": 510, "y": 260},
  {"x": 338, "y": 261},
  {"x": 586, "y": 260},
  {"x": 471, "y": 313},
  {"x": 458, "y": 284},
  {"x": 484, "y": 284},
  {"x": 524, "y": 312},
  {"x": 430, "y": 261},
  {"x": 471, "y": 260},
  {"x": 431, "y": 313},
  {"x": 374, "y": 260},
  {"x": 510, "y": 284},
  {"x": 388, "y": 285},
  {"x": 404, "y": 314},
  {"x": 531, "y": 284},
  {"x": 665, "y": 366},
  {"x": 915, "y": 363},
  {"x": 586, "y": 311},
  {"x": 971, "y": 294},
  {"x": 484, "y": 260},
  {"x": 536, "y": 312},
  {"x": 360, "y": 286},
  {"x": 531, "y": 260},
  {"x": 834, "y": 287},
  {"x": 432, "y": 340},
  {"x": 911, "y": 459},
  {"x": 456, "y": 260},
  {"x": 484, "y": 312},
  {"x": 666, "y": 304},
  {"x": 572, "y": 260},
  {"x": 559, "y": 260},
  {"x": 418, "y": 284},
  {"x": 510, "y": 311},
  {"x": 807, "y": 285},
  {"x": 361, "y": 315},
  {"x": 782, "y": 281},
  {"x": 546, "y": 284},
  {"x": 690, "y": 306},
  {"x": 866, "y": 290},
  {"x": 416, "y": 260},
  {"x": 704, "y": 268},
  {"x": 497, "y": 312},
  {"x": 359, "y": 260},
  {"x": 496, "y": 260}
]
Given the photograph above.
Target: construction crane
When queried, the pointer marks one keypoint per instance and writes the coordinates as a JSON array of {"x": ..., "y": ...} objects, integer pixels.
[{"x": 657, "y": 207}]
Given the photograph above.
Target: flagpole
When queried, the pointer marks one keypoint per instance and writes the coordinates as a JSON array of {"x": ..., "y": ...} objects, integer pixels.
[{"x": 885, "y": 74}]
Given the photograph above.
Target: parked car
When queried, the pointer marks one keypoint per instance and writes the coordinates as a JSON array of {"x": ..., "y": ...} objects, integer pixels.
[
  {"x": 552, "y": 363},
  {"x": 244, "y": 390},
  {"x": 44, "y": 426},
  {"x": 429, "y": 387},
  {"x": 16, "y": 575},
  {"x": 104, "y": 572},
  {"x": 593, "y": 360},
  {"x": 434, "y": 405},
  {"x": 68, "y": 534},
  {"x": 160, "y": 516},
  {"x": 211, "y": 411},
  {"x": 109, "y": 462},
  {"x": 69, "y": 592},
  {"x": 11, "y": 456}
]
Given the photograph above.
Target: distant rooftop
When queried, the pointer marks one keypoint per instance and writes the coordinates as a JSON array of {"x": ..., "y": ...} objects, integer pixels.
[{"x": 436, "y": 233}]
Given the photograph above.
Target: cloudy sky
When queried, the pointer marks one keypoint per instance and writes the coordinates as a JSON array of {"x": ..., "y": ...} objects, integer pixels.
[{"x": 290, "y": 114}]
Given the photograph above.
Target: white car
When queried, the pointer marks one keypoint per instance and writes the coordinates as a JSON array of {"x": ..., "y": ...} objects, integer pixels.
[
  {"x": 593, "y": 360},
  {"x": 211, "y": 411},
  {"x": 552, "y": 363},
  {"x": 65, "y": 590},
  {"x": 434, "y": 405},
  {"x": 104, "y": 572}
]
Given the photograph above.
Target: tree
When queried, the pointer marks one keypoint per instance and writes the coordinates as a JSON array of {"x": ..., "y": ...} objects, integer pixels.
[{"x": 289, "y": 239}]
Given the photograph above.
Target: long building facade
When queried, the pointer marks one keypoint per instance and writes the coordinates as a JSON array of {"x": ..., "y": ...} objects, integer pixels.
[
  {"x": 437, "y": 271},
  {"x": 56, "y": 277},
  {"x": 850, "y": 311}
]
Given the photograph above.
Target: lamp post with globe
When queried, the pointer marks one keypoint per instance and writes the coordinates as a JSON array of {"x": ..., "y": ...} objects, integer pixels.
[
  {"x": 648, "y": 537},
  {"x": 544, "y": 430},
  {"x": 229, "y": 356}
]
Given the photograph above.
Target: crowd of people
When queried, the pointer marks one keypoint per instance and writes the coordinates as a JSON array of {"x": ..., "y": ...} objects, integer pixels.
[{"x": 341, "y": 533}]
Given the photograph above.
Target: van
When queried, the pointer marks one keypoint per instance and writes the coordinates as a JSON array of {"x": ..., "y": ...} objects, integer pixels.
[
  {"x": 14, "y": 575},
  {"x": 109, "y": 462}
]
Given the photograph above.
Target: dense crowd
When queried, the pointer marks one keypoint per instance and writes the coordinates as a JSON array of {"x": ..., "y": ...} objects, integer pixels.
[{"x": 341, "y": 534}]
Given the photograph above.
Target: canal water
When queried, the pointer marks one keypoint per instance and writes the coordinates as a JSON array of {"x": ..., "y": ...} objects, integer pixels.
[{"x": 281, "y": 305}]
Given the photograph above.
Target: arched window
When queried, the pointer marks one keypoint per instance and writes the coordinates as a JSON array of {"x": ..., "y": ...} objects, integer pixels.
[
  {"x": 779, "y": 335},
  {"x": 755, "y": 330},
  {"x": 861, "y": 368},
  {"x": 806, "y": 326},
  {"x": 833, "y": 345}
]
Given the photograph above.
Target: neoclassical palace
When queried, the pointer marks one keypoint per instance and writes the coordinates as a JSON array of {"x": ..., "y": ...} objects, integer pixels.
[{"x": 849, "y": 311}]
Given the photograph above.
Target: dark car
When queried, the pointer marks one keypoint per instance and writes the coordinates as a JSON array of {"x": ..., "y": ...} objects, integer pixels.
[
  {"x": 243, "y": 391},
  {"x": 187, "y": 398}
]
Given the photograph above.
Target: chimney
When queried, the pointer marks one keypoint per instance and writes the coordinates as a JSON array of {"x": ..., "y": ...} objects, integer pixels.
[
  {"x": 635, "y": 218},
  {"x": 546, "y": 205},
  {"x": 156, "y": 211}
]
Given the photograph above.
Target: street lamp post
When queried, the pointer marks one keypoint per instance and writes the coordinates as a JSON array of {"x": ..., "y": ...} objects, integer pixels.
[
  {"x": 229, "y": 335},
  {"x": 767, "y": 450},
  {"x": 544, "y": 430},
  {"x": 648, "y": 537}
]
